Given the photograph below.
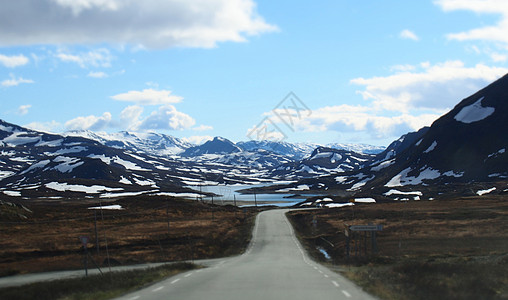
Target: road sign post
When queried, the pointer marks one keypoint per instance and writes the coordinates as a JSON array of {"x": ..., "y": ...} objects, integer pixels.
[
  {"x": 84, "y": 241},
  {"x": 357, "y": 230}
]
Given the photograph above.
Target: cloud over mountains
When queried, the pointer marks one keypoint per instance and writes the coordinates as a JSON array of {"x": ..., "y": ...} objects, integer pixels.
[{"x": 151, "y": 23}]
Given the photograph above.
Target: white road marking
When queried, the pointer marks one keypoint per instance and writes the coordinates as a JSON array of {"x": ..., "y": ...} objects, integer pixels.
[
  {"x": 175, "y": 281},
  {"x": 187, "y": 275},
  {"x": 158, "y": 289},
  {"x": 335, "y": 283},
  {"x": 326, "y": 276},
  {"x": 346, "y": 293}
]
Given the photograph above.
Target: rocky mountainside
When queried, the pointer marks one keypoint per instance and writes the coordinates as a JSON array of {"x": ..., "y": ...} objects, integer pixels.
[
  {"x": 463, "y": 153},
  {"x": 41, "y": 165},
  {"x": 322, "y": 161},
  {"x": 150, "y": 142}
]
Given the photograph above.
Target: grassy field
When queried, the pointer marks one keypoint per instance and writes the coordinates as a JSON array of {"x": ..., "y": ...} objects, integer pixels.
[
  {"x": 95, "y": 287},
  {"x": 454, "y": 249},
  {"x": 45, "y": 235}
]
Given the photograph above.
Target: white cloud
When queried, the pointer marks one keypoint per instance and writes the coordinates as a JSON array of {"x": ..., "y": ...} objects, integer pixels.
[
  {"x": 409, "y": 35},
  {"x": 148, "y": 23},
  {"x": 13, "y": 61},
  {"x": 49, "y": 127},
  {"x": 130, "y": 116},
  {"x": 90, "y": 122},
  {"x": 203, "y": 128},
  {"x": 23, "y": 109},
  {"x": 148, "y": 97},
  {"x": 198, "y": 140},
  {"x": 166, "y": 118},
  {"x": 358, "y": 118},
  {"x": 97, "y": 74},
  {"x": 435, "y": 87},
  {"x": 412, "y": 97},
  {"x": 94, "y": 58},
  {"x": 13, "y": 81},
  {"x": 496, "y": 33},
  {"x": 77, "y": 6}
]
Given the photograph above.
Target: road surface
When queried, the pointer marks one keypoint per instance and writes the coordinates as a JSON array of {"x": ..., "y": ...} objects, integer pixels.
[{"x": 275, "y": 266}]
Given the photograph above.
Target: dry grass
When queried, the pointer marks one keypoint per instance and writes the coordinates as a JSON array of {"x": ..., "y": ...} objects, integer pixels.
[
  {"x": 49, "y": 239},
  {"x": 454, "y": 249}
]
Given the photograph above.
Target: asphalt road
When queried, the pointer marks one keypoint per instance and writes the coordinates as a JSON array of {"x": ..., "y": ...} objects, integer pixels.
[{"x": 274, "y": 267}]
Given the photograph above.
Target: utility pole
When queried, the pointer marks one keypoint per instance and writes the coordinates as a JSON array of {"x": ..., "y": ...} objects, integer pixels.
[
  {"x": 96, "y": 235},
  {"x": 167, "y": 213},
  {"x": 105, "y": 238},
  {"x": 255, "y": 200}
]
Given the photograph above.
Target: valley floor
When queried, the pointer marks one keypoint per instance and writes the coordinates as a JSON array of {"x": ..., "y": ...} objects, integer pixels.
[
  {"x": 450, "y": 249},
  {"x": 46, "y": 235}
]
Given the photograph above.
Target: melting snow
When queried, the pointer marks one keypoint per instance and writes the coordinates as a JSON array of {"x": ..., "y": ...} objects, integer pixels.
[
  {"x": 483, "y": 192},
  {"x": 67, "y": 164},
  {"x": 125, "y": 180},
  {"x": 396, "y": 192},
  {"x": 110, "y": 207},
  {"x": 434, "y": 144},
  {"x": 324, "y": 200},
  {"x": 365, "y": 200},
  {"x": 127, "y": 164},
  {"x": 402, "y": 179},
  {"x": 453, "y": 174},
  {"x": 16, "y": 139},
  {"x": 5, "y": 174},
  {"x": 336, "y": 205},
  {"x": 501, "y": 151},
  {"x": 40, "y": 164},
  {"x": 301, "y": 187},
  {"x": 76, "y": 149},
  {"x": 383, "y": 165},
  {"x": 474, "y": 112},
  {"x": 13, "y": 193},
  {"x": 94, "y": 189},
  {"x": 144, "y": 182}
]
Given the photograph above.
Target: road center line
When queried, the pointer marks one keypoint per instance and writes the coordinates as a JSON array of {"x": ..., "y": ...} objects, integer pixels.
[
  {"x": 158, "y": 289},
  {"x": 346, "y": 293},
  {"x": 187, "y": 275},
  {"x": 175, "y": 281},
  {"x": 335, "y": 283}
]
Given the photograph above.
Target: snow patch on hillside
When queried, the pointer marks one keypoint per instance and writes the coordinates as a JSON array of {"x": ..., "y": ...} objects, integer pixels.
[
  {"x": 431, "y": 147},
  {"x": 403, "y": 179},
  {"x": 94, "y": 189},
  {"x": 474, "y": 112},
  {"x": 484, "y": 192}
]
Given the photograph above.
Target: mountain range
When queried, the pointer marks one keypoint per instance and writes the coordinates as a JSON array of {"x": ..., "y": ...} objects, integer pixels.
[{"x": 463, "y": 152}]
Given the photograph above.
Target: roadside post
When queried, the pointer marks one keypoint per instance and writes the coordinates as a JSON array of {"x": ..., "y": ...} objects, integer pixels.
[
  {"x": 363, "y": 229},
  {"x": 84, "y": 241}
]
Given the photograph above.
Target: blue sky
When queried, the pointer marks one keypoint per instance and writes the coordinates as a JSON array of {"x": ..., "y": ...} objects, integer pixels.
[{"x": 360, "y": 71}]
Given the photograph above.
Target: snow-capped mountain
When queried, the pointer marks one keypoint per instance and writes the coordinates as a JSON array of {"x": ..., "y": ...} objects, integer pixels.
[
  {"x": 149, "y": 142},
  {"x": 323, "y": 161},
  {"x": 358, "y": 148},
  {"x": 294, "y": 151},
  {"x": 463, "y": 153},
  {"x": 298, "y": 151},
  {"x": 36, "y": 164},
  {"x": 218, "y": 145}
]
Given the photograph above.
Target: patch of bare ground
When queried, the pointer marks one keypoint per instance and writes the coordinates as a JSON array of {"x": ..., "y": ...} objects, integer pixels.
[
  {"x": 448, "y": 249},
  {"x": 147, "y": 229}
]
